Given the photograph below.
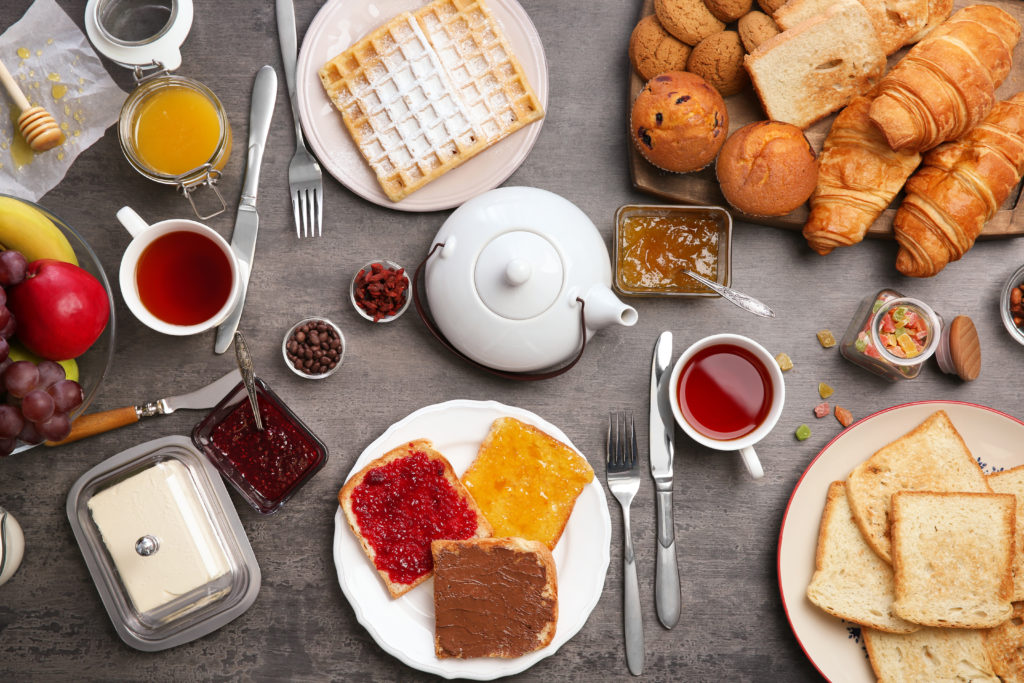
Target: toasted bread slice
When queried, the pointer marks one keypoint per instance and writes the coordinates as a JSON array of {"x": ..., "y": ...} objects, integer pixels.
[
  {"x": 1012, "y": 481},
  {"x": 850, "y": 580},
  {"x": 493, "y": 597},
  {"x": 401, "y": 502},
  {"x": 953, "y": 557},
  {"x": 932, "y": 457},
  {"x": 1005, "y": 646},
  {"x": 929, "y": 655},
  {"x": 526, "y": 482}
]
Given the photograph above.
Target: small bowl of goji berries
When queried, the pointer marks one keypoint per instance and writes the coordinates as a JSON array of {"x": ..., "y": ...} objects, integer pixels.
[{"x": 380, "y": 291}]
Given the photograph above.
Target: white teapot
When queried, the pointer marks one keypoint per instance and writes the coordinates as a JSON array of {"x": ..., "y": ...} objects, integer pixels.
[{"x": 518, "y": 279}]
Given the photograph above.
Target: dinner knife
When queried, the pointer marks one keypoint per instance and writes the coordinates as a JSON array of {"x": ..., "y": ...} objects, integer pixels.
[
  {"x": 201, "y": 399},
  {"x": 662, "y": 438},
  {"x": 247, "y": 221}
]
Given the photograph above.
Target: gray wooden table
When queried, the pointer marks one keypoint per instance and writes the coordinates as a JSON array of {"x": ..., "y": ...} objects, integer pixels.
[{"x": 52, "y": 624}]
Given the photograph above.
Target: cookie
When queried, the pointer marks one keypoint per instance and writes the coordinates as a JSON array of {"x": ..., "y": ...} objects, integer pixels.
[
  {"x": 728, "y": 10},
  {"x": 718, "y": 59},
  {"x": 769, "y": 6},
  {"x": 653, "y": 50},
  {"x": 688, "y": 20},
  {"x": 755, "y": 28}
]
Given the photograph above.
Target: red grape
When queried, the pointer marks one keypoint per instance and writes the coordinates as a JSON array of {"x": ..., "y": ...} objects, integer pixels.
[
  {"x": 7, "y": 446},
  {"x": 5, "y": 348},
  {"x": 49, "y": 372},
  {"x": 3, "y": 297},
  {"x": 11, "y": 422},
  {"x": 7, "y": 331},
  {"x": 55, "y": 428},
  {"x": 21, "y": 377},
  {"x": 29, "y": 434},
  {"x": 5, "y": 315},
  {"x": 13, "y": 267},
  {"x": 67, "y": 395},
  {"x": 37, "y": 405}
]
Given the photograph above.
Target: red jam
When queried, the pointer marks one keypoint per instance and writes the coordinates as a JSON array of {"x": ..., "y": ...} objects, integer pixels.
[
  {"x": 404, "y": 505},
  {"x": 271, "y": 461}
]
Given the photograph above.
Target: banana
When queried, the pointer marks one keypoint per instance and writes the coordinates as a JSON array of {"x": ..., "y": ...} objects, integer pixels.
[{"x": 24, "y": 228}]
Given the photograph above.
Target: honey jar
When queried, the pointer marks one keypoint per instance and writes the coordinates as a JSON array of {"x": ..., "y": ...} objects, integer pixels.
[{"x": 173, "y": 129}]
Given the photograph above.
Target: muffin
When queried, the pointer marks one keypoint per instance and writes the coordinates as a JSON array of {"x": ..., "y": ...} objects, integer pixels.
[
  {"x": 653, "y": 50},
  {"x": 769, "y": 6},
  {"x": 688, "y": 20},
  {"x": 755, "y": 28},
  {"x": 718, "y": 59},
  {"x": 728, "y": 10},
  {"x": 767, "y": 168},
  {"x": 679, "y": 122}
]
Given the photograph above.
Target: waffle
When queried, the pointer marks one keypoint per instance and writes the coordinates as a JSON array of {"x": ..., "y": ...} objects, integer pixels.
[{"x": 425, "y": 92}]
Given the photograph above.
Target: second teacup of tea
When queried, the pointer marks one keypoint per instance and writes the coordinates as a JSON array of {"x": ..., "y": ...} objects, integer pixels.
[
  {"x": 727, "y": 393},
  {"x": 177, "y": 276}
]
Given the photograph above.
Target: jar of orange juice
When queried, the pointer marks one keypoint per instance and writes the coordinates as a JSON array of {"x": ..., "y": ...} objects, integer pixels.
[{"x": 173, "y": 129}]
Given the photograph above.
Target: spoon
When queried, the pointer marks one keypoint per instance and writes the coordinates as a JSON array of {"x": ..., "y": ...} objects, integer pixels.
[
  {"x": 248, "y": 376},
  {"x": 744, "y": 301}
]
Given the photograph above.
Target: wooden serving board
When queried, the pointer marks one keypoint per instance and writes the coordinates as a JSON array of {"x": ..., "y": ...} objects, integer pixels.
[{"x": 701, "y": 187}]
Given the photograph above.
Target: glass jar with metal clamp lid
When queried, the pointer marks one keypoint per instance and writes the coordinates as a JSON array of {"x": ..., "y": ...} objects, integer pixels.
[{"x": 173, "y": 129}]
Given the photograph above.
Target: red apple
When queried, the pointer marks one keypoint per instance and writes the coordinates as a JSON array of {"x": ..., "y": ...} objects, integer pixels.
[{"x": 60, "y": 309}]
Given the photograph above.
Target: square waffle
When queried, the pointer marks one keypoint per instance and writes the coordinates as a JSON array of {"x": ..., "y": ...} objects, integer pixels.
[{"x": 425, "y": 92}]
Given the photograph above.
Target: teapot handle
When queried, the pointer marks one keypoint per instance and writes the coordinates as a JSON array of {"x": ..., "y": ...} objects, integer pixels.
[{"x": 518, "y": 376}]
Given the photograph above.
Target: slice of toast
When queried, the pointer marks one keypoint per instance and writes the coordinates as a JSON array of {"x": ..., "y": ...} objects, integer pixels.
[
  {"x": 401, "y": 502},
  {"x": 1005, "y": 646},
  {"x": 1012, "y": 481},
  {"x": 931, "y": 457},
  {"x": 493, "y": 597},
  {"x": 929, "y": 655},
  {"x": 850, "y": 580},
  {"x": 813, "y": 69},
  {"x": 953, "y": 557}
]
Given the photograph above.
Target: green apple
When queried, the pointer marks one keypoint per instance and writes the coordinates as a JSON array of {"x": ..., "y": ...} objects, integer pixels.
[{"x": 19, "y": 352}]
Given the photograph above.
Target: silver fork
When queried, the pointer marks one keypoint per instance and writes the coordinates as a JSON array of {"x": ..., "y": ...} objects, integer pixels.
[
  {"x": 623, "y": 473},
  {"x": 304, "y": 178}
]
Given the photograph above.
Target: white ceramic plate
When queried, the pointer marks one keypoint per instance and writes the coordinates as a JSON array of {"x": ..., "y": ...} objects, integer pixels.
[
  {"x": 337, "y": 25},
  {"x": 832, "y": 645},
  {"x": 405, "y": 627}
]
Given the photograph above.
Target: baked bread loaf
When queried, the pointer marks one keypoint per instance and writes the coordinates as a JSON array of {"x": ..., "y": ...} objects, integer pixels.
[
  {"x": 958, "y": 188},
  {"x": 929, "y": 655},
  {"x": 931, "y": 457},
  {"x": 817, "y": 67},
  {"x": 679, "y": 122},
  {"x": 653, "y": 50},
  {"x": 1003, "y": 644},
  {"x": 946, "y": 84},
  {"x": 401, "y": 502},
  {"x": 688, "y": 20},
  {"x": 938, "y": 12},
  {"x": 767, "y": 168},
  {"x": 953, "y": 557},
  {"x": 850, "y": 581},
  {"x": 526, "y": 481},
  {"x": 895, "y": 21},
  {"x": 493, "y": 597},
  {"x": 755, "y": 28},
  {"x": 1012, "y": 481},
  {"x": 718, "y": 59},
  {"x": 858, "y": 177}
]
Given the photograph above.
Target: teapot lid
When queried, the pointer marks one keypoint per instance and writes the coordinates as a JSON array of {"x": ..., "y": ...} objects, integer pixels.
[{"x": 518, "y": 275}]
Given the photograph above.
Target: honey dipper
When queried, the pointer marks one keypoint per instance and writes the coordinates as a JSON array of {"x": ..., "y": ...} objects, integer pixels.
[{"x": 39, "y": 129}]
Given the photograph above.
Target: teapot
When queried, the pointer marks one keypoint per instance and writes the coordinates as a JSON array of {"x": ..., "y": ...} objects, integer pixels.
[{"x": 518, "y": 279}]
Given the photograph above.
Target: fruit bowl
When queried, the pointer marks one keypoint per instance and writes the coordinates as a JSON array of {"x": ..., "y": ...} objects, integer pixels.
[{"x": 93, "y": 364}]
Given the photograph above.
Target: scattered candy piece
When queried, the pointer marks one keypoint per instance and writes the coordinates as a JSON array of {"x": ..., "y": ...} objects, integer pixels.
[
  {"x": 844, "y": 416},
  {"x": 825, "y": 390},
  {"x": 784, "y": 361},
  {"x": 821, "y": 410},
  {"x": 803, "y": 432},
  {"x": 826, "y": 339}
]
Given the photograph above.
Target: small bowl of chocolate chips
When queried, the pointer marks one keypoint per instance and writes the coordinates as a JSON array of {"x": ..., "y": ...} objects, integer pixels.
[{"x": 314, "y": 348}]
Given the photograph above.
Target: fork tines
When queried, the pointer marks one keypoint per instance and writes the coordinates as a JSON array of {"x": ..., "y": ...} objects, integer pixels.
[
  {"x": 307, "y": 205},
  {"x": 622, "y": 449}
]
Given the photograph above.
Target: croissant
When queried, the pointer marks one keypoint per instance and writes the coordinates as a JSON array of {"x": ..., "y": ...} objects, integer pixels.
[
  {"x": 958, "y": 188},
  {"x": 858, "y": 175},
  {"x": 946, "y": 84}
]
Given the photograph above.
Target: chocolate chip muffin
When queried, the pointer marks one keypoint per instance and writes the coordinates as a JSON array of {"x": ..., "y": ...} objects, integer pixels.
[
  {"x": 679, "y": 122},
  {"x": 688, "y": 20},
  {"x": 718, "y": 59},
  {"x": 728, "y": 10},
  {"x": 755, "y": 28},
  {"x": 653, "y": 50}
]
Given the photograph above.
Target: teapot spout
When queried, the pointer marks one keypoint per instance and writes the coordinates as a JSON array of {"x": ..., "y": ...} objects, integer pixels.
[{"x": 603, "y": 308}]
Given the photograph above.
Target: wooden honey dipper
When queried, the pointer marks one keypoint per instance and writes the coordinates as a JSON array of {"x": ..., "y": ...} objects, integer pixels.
[{"x": 39, "y": 129}]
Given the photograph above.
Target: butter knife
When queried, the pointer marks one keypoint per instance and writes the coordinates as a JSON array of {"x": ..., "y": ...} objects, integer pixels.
[
  {"x": 247, "y": 221},
  {"x": 662, "y": 441}
]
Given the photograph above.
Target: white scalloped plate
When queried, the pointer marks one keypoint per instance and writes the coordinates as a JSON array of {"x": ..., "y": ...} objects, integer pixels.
[
  {"x": 834, "y": 646},
  {"x": 404, "y": 627}
]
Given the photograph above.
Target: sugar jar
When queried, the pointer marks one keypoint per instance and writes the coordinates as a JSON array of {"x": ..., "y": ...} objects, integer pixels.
[{"x": 894, "y": 335}]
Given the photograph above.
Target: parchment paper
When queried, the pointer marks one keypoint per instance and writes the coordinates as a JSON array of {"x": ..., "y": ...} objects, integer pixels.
[{"x": 52, "y": 61}]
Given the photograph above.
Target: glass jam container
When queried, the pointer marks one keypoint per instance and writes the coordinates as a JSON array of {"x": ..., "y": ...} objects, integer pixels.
[
  {"x": 893, "y": 336},
  {"x": 173, "y": 129}
]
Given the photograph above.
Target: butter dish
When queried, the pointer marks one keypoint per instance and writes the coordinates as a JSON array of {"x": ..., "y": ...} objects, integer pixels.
[{"x": 163, "y": 544}]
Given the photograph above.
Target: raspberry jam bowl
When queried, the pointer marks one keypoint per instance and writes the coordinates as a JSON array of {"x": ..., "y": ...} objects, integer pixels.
[
  {"x": 266, "y": 467},
  {"x": 380, "y": 291}
]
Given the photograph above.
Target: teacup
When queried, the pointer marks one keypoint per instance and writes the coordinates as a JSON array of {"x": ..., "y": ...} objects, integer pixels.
[
  {"x": 726, "y": 393},
  {"x": 178, "y": 277}
]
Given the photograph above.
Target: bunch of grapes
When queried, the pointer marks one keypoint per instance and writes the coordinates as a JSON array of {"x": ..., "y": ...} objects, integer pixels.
[{"x": 38, "y": 397}]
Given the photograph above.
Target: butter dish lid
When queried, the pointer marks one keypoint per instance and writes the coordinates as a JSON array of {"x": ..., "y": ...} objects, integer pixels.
[{"x": 163, "y": 544}]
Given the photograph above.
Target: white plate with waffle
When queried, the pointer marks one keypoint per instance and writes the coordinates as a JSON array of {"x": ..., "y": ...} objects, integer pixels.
[
  {"x": 339, "y": 25},
  {"x": 404, "y": 627}
]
